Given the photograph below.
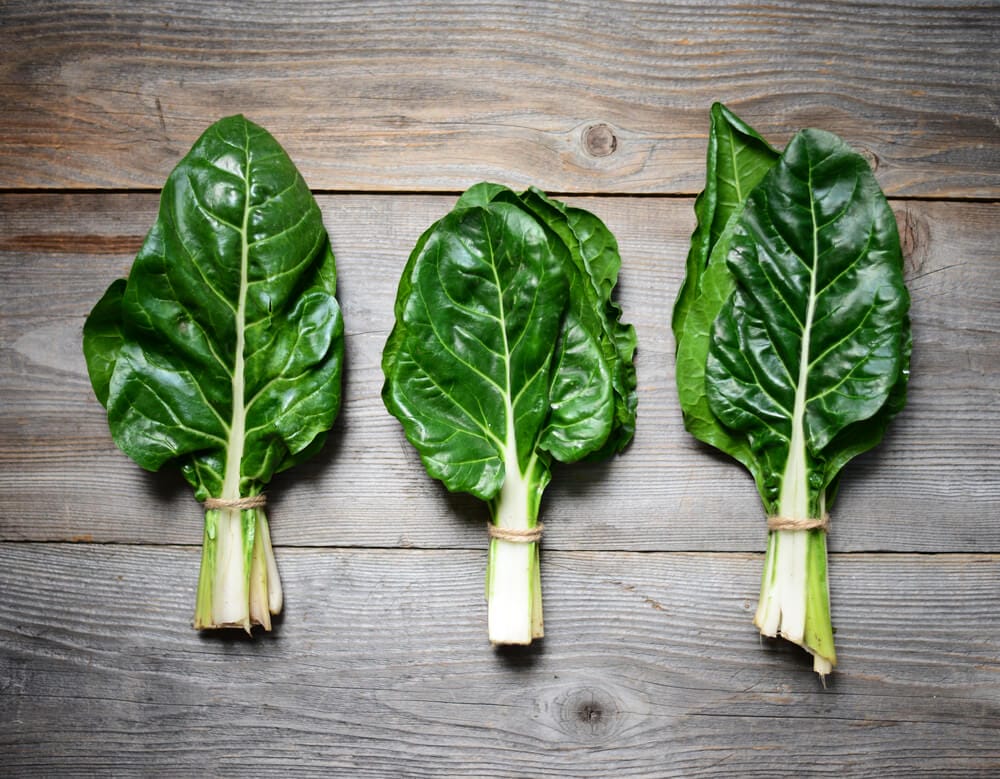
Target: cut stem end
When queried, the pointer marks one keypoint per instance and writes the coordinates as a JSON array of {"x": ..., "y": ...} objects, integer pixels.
[
  {"x": 794, "y": 595},
  {"x": 238, "y": 585}
]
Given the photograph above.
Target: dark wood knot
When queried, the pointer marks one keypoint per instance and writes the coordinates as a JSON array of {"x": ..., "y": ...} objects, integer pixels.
[
  {"x": 589, "y": 713},
  {"x": 600, "y": 140}
]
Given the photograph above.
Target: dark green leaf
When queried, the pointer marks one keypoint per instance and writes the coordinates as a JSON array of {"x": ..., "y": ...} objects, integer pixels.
[
  {"x": 479, "y": 310},
  {"x": 594, "y": 252},
  {"x": 548, "y": 272},
  {"x": 815, "y": 333},
  {"x": 580, "y": 397},
  {"x": 103, "y": 339},
  {"x": 737, "y": 159},
  {"x": 232, "y": 339}
]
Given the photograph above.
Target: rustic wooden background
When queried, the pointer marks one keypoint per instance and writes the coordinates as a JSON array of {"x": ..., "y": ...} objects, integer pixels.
[{"x": 380, "y": 665}]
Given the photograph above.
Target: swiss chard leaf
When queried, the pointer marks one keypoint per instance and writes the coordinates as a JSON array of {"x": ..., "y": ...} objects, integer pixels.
[
  {"x": 103, "y": 339},
  {"x": 230, "y": 339},
  {"x": 587, "y": 368},
  {"x": 507, "y": 352},
  {"x": 793, "y": 345},
  {"x": 737, "y": 159},
  {"x": 222, "y": 352},
  {"x": 594, "y": 252},
  {"x": 479, "y": 310},
  {"x": 814, "y": 337}
]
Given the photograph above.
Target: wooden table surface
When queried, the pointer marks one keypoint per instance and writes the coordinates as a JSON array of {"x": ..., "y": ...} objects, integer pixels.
[{"x": 380, "y": 664}]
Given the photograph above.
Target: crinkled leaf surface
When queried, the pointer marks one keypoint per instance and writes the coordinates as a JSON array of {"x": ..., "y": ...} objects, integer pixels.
[
  {"x": 594, "y": 252},
  {"x": 815, "y": 336},
  {"x": 737, "y": 160},
  {"x": 478, "y": 314},
  {"x": 231, "y": 336},
  {"x": 103, "y": 339},
  {"x": 497, "y": 322}
]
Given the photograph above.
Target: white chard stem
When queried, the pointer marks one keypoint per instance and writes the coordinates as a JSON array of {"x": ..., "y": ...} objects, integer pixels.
[
  {"x": 231, "y": 585},
  {"x": 794, "y": 593},
  {"x": 794, "y": 597},
  {"x": 513, "y": 581},
  {"x": 239, "y": 584}
]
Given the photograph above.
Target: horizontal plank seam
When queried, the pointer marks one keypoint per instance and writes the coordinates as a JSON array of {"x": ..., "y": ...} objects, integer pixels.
[
  {"x": 63, "y": 191},
  {"x": 335, "y": 548}
]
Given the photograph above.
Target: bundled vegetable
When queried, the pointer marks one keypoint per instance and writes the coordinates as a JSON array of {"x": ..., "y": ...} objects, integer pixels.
[
  {"x": 793, "y": 343},
  {"x": 222, "y": 352},
  {"x": 508, "y": 353}
]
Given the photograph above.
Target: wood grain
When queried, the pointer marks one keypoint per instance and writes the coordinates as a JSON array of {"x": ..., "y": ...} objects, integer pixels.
[
  {"x": 366, "y": 97},
  {"x": 933, "y": 485},
  {"x": 380, "y": 667}
]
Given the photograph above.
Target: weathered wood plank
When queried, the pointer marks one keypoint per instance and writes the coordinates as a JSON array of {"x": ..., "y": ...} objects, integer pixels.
[
  {"x": 932, "y": 486},
  {"x": 380, "y": 667},
  {"x": 366, "y": 97}
]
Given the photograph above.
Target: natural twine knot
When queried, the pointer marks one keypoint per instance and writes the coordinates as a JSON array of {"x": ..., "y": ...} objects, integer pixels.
[
  {"x": 517, "y": 536},
  {"x": 253, "y": 502},
  {"x": 792, "y": 523}
]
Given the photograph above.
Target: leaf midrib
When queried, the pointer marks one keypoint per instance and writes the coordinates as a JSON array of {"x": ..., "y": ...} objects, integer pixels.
[
  {"x": 794, "y": 496},
  {"x": 510, "y": 434},
  {"x": 237, "y": 427}
]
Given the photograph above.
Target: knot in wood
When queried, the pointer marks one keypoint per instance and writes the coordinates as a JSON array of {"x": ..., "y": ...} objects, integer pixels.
[
  {"x": 600, "y": 140},
  {"x": 589, "y": 713}
]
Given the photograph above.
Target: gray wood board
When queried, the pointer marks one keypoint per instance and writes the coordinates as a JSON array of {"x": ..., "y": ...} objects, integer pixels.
[
  {"x": 380, "y": 667},
  {"x": 651, "y": 563},
  {"x": 366, "y": 97},
  {"x": 932, "y": 486}
]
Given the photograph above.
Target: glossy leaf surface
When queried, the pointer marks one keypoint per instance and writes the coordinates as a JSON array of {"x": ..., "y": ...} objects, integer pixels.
[
  {"x": 103, "y": 339},
  {"x": 594, "y": 253},
  {"x": 815, "y": 336},
  {"x": 501, "y": 340},
  {"x": 230, "y": 338},
  {"x": 737, "y": 160},
  {"x": 478, "y": 313}
]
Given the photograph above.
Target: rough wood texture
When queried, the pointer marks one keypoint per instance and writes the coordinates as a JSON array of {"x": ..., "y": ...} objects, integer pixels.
[
  {"x": 380, "y": 667},
  {"x": 441, "y": 94},
  {"x": 60, "y": 252}
]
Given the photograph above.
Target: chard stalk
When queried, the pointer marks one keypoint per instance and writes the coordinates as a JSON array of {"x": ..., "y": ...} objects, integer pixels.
[
  {"x": 794, "y": 594},
  {"x": 513, "y": 578},
  {"x": 238, "y": 584}
]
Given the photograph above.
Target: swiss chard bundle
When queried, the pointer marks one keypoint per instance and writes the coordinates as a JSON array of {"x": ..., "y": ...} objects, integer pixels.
[
  {"x": 793, "y": 343},
  {"x": 222, "y": 351},
  {"x": 508, "y": 353}
]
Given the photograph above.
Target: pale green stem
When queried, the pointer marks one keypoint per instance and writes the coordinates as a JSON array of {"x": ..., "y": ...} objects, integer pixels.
[
  {"x": 238, "y": 585},
  {"x": 513, "y": 578}
]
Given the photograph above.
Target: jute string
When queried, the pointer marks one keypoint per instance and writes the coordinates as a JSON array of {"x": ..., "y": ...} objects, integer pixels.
[
  {"x": 255, "y": 502},
  {"x": 791, "y": 523},
  {"x": 517, "y": 536}
]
